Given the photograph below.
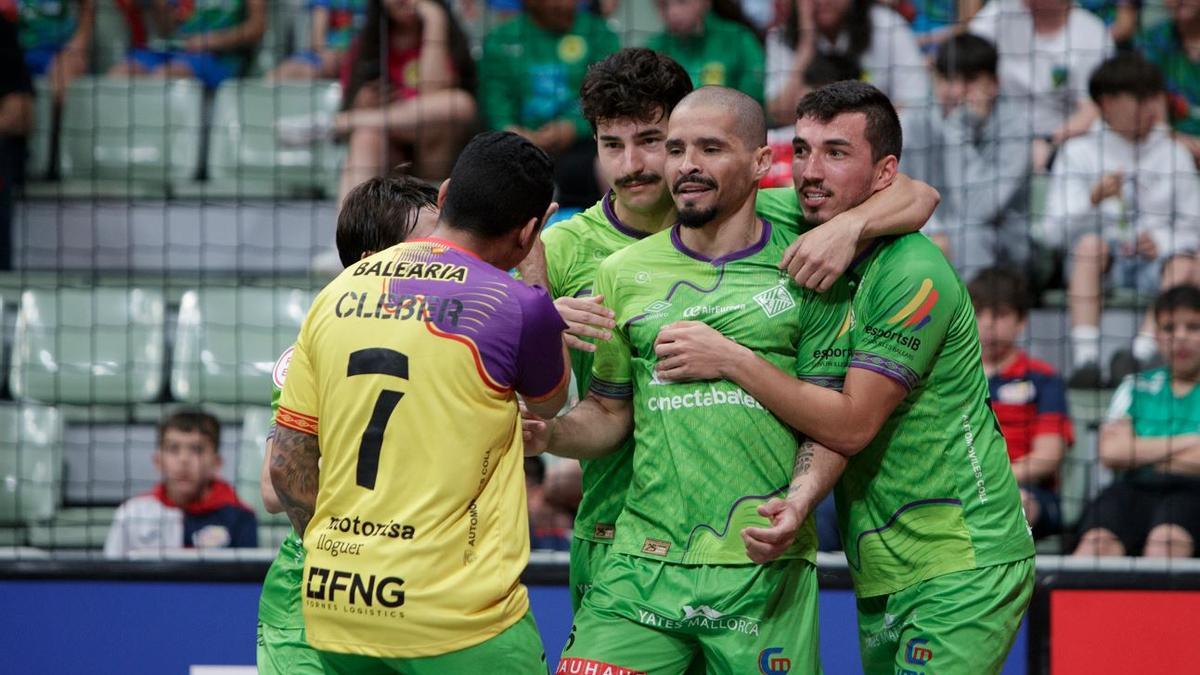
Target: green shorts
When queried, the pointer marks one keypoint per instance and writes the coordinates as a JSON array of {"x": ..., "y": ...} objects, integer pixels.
[
  {"x": 648, "y": 616},
  {"x": 963, "y": 622},
  {"x": 283, "y": 651},
  {"x": 586, "y": 558},
  {"x": 517, "y": 650}
]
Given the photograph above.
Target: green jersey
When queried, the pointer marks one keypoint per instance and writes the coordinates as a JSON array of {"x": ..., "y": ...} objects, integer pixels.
[
  {"x": 1148, "y": 400},
  {"x": 574, "y": 250},
  {"x": 279, "y": 604},
  {"x": 724, "y": 53},
  {"x": 933, "y": 492},
  {"x": 530, "y": 76},
  {"x": 46, "y": 24},
  {"x": 707, "y": 454}
]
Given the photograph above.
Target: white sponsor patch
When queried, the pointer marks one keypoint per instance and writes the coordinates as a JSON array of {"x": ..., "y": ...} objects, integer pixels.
[{"x": 279, "y": 372}]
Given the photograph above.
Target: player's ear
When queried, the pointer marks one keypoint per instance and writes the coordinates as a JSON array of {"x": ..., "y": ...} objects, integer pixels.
[
  {"x": 885, "y": 172},
  {"x": 550, "y": 211},
  {"x": 441, "y": 198},
  {"x": 762, "y": 162}
]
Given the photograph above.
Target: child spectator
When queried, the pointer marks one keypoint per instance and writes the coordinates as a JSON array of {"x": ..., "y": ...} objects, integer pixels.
[
  {"x": 549, "y": 526},
  {"x": 973, "y": 146},
  {"x": 1172, "y": 46},
  {"x": 713, "y": 50},
  {"x": 334, "y": 25},
  {"x": 530, "y": 75},
  {"x": 1028, "y": 397},
  {"x": 1152, "y": 439},
  {"x": 407, "y": 85},
  {"x": 1126, "y": 198},
  {"x": 874, "y": 36},
  {"x": 191, "y": 507},
  {"x": 56, "y": 36},
  {"x": 211, "y": 41},
  {"x": 1048, "y": 49}
]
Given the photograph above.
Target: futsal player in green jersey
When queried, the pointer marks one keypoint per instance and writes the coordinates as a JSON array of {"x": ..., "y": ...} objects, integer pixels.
[
  {"x": 627, "y": 99},
  {"x": 678, "y": 584},
  {"x": 376, "y": 214},
  {"x": 938, "y": 548}
]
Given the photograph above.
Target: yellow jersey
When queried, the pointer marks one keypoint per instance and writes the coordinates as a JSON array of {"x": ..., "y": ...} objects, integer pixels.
[{"x": 407, "y": 369}]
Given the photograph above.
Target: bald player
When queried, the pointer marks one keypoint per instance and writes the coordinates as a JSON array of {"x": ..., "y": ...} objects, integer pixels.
[{"x": 679, "y": 582}]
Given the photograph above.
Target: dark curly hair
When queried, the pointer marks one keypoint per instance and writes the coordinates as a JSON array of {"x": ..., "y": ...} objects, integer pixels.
[{"x": 634, "y": 83}]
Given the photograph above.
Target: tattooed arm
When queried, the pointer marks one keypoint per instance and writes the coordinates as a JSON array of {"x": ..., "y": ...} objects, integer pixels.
[
  {"x": 817, "y": 469},
  {"x": 294, "y": 473}
]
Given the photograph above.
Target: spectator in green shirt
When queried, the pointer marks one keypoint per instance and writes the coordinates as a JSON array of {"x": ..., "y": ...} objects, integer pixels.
[
  {"x": 714, "y": 51},
  {"x": 530, "y": 74}
]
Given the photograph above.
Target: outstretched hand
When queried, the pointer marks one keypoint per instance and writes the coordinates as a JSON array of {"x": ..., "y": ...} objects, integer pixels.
[{"x": 585, "y": 318}]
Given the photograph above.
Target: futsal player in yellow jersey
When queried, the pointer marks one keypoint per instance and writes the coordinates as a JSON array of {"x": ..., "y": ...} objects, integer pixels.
[{"x": 403, "y": 384}]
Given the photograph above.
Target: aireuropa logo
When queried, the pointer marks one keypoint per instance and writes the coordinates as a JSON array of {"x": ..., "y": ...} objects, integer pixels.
[
  {"x": 917, "y": 312},
  {"x": 916, "y": 653},
  {"x": 770, "y": 664},
  {"x": 775, "y": 301}
]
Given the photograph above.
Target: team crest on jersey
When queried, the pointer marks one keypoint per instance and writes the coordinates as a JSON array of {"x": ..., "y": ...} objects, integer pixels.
[
  {"x": 775, "y": 301},
  {"x": 279, "y": 372},
  {"x": 571, "y": 48}
]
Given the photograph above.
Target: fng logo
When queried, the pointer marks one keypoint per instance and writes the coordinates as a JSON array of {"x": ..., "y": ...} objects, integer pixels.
[
  {"x": 325, "y": 585},
  {"x": 770, "y": 664},
  {"x": 917, "y": 653}
]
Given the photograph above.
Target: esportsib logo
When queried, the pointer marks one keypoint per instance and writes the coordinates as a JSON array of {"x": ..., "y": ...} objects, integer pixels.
[
  {"x": 770, "y": 664},
  {"x": 916, "y": 312},
  {"x": 916, "y": 653}
]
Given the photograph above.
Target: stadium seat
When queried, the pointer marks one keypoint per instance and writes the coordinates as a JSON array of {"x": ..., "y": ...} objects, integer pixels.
[
  {"x": 130, "y": 136},
  {"x": 112, "y": 37},
  {"x": 30, "y": 463},
  {"x": 89, "y": 346},
  {"x": 37, "y": 166},
  {"x": 255, "y": 425},
  {"x": 245, "y": 158},
  {"x": 277, "y": 40},
  {"x": 228, "y": 339}
]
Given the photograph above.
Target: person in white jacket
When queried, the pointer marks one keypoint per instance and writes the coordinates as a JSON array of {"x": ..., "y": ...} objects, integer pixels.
[{"x": 1125, "y": 197}]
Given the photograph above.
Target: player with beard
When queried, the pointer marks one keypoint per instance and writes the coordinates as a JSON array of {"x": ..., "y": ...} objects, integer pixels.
[
  {"x": 678, "y": 583},
  {"x": 627, "y": 98},
  {"x": 938, "y": 547}
]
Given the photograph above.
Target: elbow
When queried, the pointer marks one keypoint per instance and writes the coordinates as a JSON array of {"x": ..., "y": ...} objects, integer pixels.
[
  {"x": 847, "y": 443},
  {"x": 928, "y": 197},
  {"x": 278, "y": 477},
  {"x": 1114, "y": 457},
  {"x": 270, "y": 500}
]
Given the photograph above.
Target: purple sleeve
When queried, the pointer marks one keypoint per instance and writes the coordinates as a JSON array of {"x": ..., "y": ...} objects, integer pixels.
[{"x": 540, "y": 364}]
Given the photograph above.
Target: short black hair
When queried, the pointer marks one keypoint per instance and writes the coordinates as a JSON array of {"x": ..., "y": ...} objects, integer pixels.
[
  {"x": 192, "y": 419},
  {"x": 833, "y": 67},
  {"x": 967, "y": 56},
  {"x": 1185, "y": 296},
  {"x": 1126, "y": 73},
  {"x": 379, "y": 213},
  {"x": 1000, "y": 289},
  {"x": 840, "y": 98},
  {"x": 498, "y": 184},
  {"x": 633, "y": 83}
]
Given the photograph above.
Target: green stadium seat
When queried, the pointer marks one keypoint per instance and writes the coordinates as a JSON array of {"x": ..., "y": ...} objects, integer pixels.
[
  {"x": 228, "y": 340},
  {"x": 76, "y": 528},
  {"x": 111, "y": 44},
  {"x": 89, "y": 346},
  {"x": 38, "y": 164},
  {"x": 246, "y": 159},
  {"x": 129, "y": 135},
  {"x": 277, "y": 39},
  {"x": 30, "y": 463}
]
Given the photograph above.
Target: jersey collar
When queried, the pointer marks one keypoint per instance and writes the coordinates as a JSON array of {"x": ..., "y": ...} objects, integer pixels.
[
  {"x": 442, "y": 242},
  {"x": 611, "y": 214},
  {"x": 728, "y": 257}
]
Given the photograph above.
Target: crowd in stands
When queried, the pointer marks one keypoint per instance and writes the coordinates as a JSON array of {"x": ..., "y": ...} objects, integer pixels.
[{"x": 1064, "y": 138}]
